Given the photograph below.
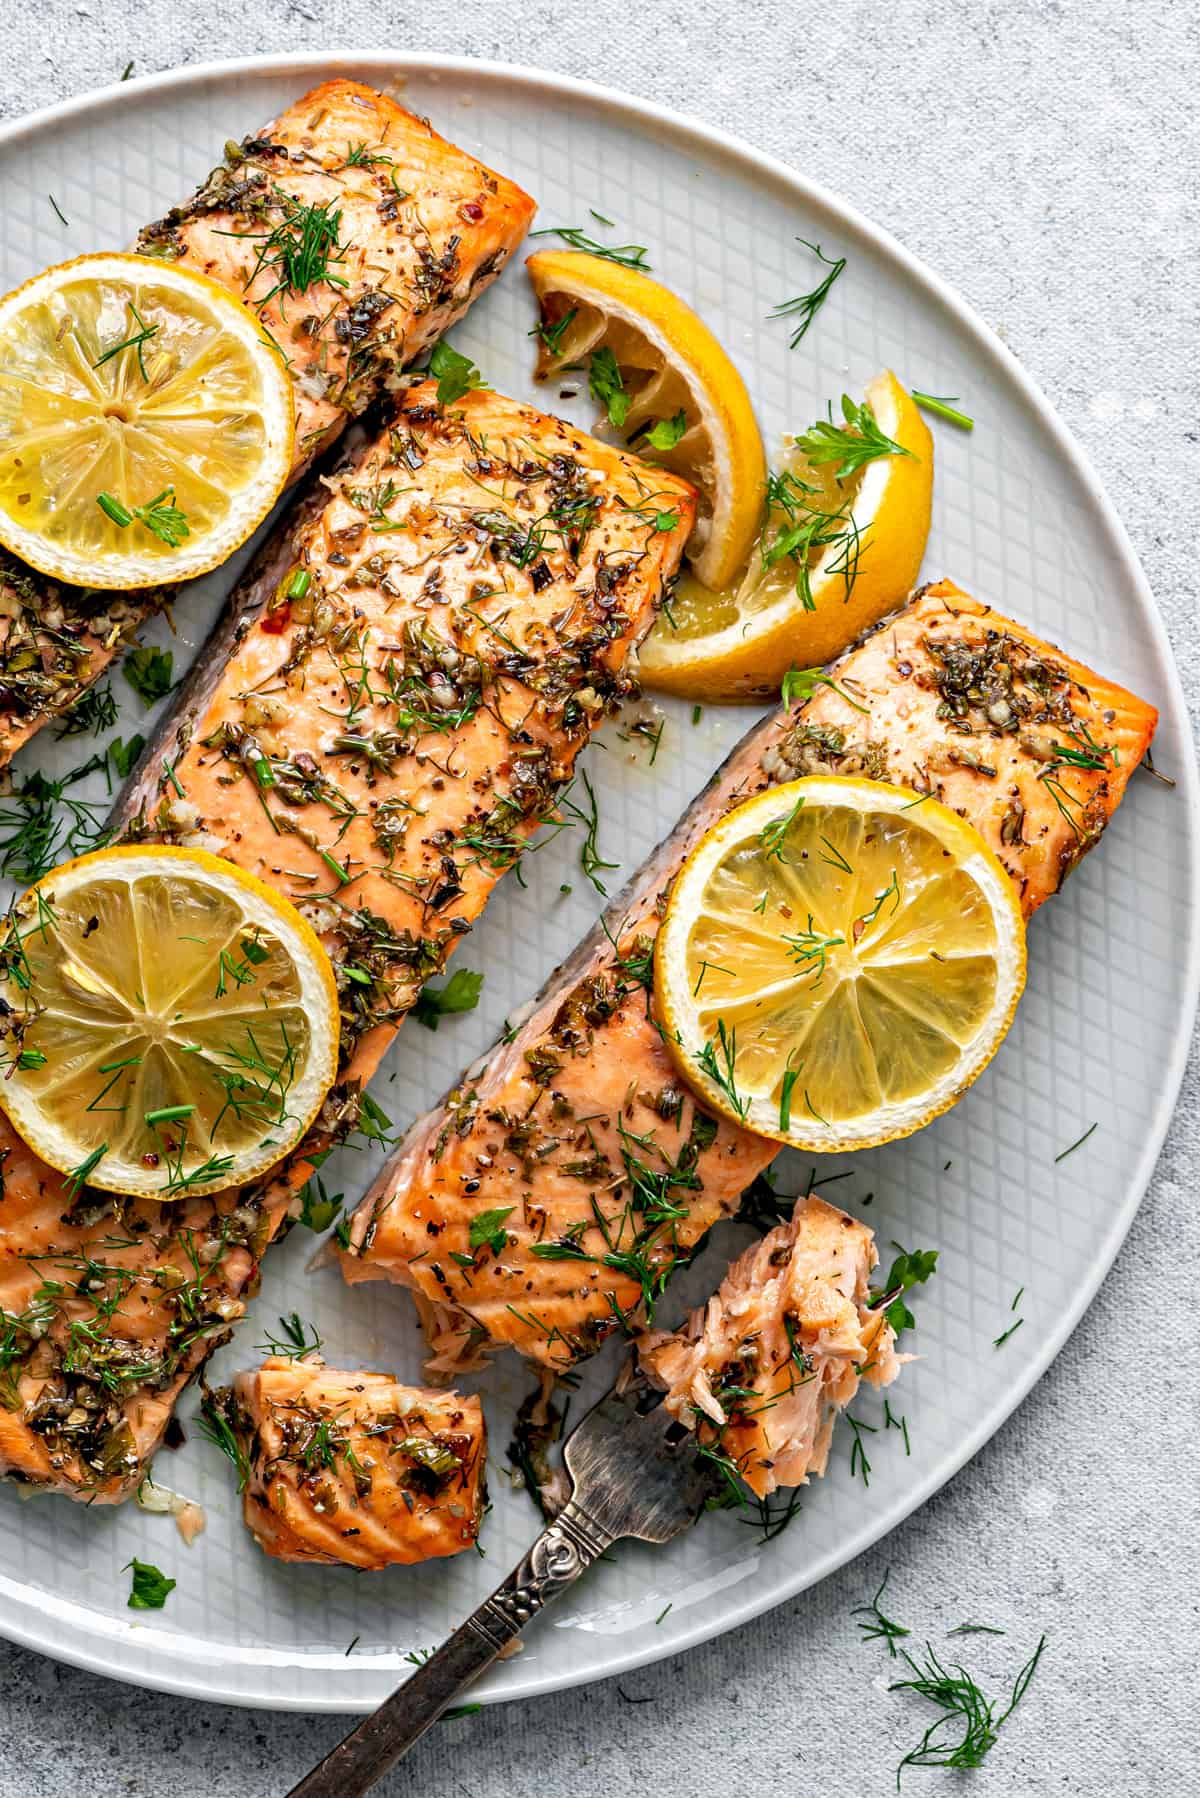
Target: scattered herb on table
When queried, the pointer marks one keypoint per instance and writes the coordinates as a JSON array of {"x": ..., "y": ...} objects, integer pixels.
[
  {"x": 967, "y": 1728},
  {"x": 877, "y": 1627},
  {"x": 1078, "y": 1143}
]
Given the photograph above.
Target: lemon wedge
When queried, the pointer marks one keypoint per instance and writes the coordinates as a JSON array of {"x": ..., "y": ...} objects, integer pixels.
[
  {"x": 839, "y": 960},
  {"x": 675, "y": 394},
  {"x": 146, "y": 422},
  {"x": 842, "y": 545},
  {"x": 171, "y": 1025}
]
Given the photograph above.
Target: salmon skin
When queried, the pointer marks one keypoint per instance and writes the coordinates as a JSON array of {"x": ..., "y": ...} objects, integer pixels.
[
  {"x": 358, "y": 236},
  {"x": 577, "y": 1132},
  {"x": 378, "y": 747},
  {"x": 763, "y": 1369},
  {"x": 353, "y": 1468}
]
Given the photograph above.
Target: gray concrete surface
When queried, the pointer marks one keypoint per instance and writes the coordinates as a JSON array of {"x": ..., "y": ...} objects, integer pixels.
[{"x": 1042, "y": 155}]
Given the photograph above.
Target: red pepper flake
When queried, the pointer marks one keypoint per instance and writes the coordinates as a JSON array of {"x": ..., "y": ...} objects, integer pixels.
[
  {"x": 471, "y": 212},
  {"x": 277, "y": 621}
]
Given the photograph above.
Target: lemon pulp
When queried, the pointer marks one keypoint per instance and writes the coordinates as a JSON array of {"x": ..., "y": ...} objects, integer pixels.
[
  {"x": 839, "y": 970},
  {"x": 171, "y": 1030},
  {"x": 126, "y": 383}
]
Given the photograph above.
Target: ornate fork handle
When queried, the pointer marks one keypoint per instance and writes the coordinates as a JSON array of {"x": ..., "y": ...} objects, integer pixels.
[{"x": 564, "y": 1550}]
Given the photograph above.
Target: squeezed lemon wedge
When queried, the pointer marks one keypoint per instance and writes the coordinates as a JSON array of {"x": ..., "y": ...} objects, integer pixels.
[
  {"x": 674, "y": 377},
  {"x": 837, "y": 552}
]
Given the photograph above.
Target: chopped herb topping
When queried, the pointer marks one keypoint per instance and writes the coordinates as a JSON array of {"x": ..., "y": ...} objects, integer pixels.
[{"x": 149, "y": 1588}]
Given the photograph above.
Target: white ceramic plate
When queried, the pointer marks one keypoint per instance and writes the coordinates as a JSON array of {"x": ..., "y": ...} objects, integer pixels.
[{"x": 1019, "y": 519}]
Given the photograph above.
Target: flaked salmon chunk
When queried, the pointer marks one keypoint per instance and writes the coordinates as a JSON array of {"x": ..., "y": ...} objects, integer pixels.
[
  {"x": 353, "y": 1468},
  {"x": 762, "y": 1370},
  {"x": 377, "y": 740},
  {"x": 359, "y": 236},
  {"x": 577, "y": 1132}
]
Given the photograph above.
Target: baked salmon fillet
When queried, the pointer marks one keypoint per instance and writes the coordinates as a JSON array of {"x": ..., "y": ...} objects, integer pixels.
[
  {"x": 464, "y": 595},
  {"x": 352, "y": 1468},
  {"x": 408, "y": 229},
  {"x": 763, "y": 1369},
  {"x": 576, "y": 1134}
]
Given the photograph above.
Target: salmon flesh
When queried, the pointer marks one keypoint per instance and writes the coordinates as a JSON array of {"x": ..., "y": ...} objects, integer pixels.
[
  {"x": 392, "y": 706},
  {"x": 762, "y": 1370},
  {"x": 353, "y": 1468},
  {"x": 359, "y": 236},
  {"x": 576, "y": 1134}
]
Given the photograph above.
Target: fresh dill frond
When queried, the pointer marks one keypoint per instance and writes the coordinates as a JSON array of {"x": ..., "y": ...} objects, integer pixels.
[
  {"x": 806, "y": 305},
  {"x": 136, "y": 341},
  {"x": 590, "y": 858},
  {"x": 718, "y": 1060},
  {"x": 628, "y": 255},
  {"x": 296, "y": 1338},
  {"x": 94, "y": 711},
  {"x": 878, "y": 1627},
  {"x": 966, "y": 1731}
]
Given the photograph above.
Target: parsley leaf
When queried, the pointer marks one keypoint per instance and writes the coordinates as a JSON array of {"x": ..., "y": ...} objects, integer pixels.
[
  {"x": 460, "y": 993},
  {"x": 665, "y": 433},
  {"x": 454, "y": 373},
  {"x": 124, "y": 755},
  {"x": 317, "y": 1209},
  {"x": 487, "y": 1229},
  {"x": 606, "y": 386},
  {"x": 150, "y": 1587},
  {"x": 148, "y": 672},
  {"x": 909, "y": 1269}
]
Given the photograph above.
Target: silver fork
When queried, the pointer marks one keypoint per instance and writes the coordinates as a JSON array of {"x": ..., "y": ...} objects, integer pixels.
[{"x": 634, "y": 1472}]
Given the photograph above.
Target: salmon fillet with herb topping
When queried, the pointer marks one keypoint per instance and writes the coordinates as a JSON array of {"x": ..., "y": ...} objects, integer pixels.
[
  {"x": 359, "y": 236},
  {"x": 394, "y": 703},
  {"x": 352, "y": 1468},
  {"x": 547, "y": 1200},
  {"x": 763, "y": 1369}
]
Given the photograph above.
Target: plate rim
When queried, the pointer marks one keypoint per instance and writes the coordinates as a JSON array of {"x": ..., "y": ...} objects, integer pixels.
[{"x": 655, "y": 118}]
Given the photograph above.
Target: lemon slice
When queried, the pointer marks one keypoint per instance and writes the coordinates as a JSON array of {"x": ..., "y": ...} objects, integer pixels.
[
  {"x": 857, "y": 549},
  {"x": 146, "y": 422},
  {"x": 670, "y": 363},
  {"x": 839, "y": 960},
  {"x": 171, "y": 1024}
]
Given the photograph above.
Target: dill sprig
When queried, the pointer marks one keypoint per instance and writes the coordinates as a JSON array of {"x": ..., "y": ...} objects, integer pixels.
[
  {"x": 136, "y": 341},
  {"x": 216, "y": 1428},
  {"x": 878, "y": 1627},
  {"x": 628, "y": 255},
  {"x": 590, "y": 858},
  {"x": 850, "y": 445},
  {"x": 42, "y": 824},
  {"x": 299, "y": 250},
  {"x": 294, "y": 1339},
  {"x": 772, "y": 836},
  {"x": 94, "y": 711},
  {"x": 718, "y": 1060},
  {"x": 806, "y": 305},
  {"x": 967, "y": 1729}
]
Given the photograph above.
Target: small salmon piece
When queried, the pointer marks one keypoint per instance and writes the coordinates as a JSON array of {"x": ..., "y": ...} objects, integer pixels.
[
  {"x": 108, "y": 1307},
  {"x": 762, "y": 1370},
  {"x": 409, "y": 721},
  {"x": 393, "y": 232},
  {"x": 578, "y": 1132},
  {"x": 354, "y": 1468}
]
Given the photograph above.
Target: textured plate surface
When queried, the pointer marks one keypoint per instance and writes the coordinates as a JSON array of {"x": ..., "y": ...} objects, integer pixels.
[{"x": 1100, "y": 1037}]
